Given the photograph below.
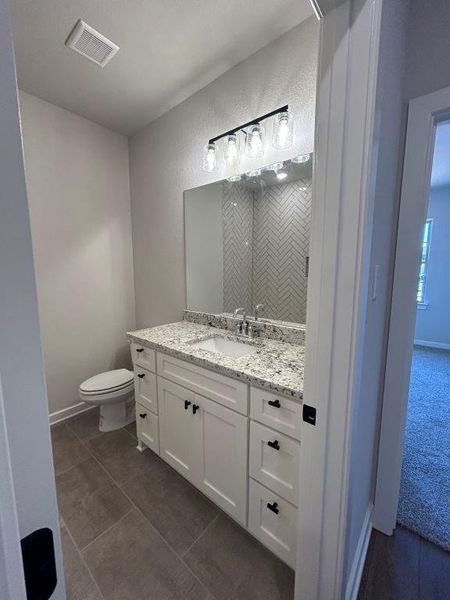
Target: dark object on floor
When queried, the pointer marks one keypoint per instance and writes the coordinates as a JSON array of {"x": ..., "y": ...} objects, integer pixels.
[{"x": 424, "y": 504}]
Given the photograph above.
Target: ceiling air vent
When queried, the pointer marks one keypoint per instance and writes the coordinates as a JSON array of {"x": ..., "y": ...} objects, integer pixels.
[{"x": 88, "y": 42}]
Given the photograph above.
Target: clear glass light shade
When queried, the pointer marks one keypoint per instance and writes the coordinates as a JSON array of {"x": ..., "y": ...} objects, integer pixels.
[
  {"x": 254, "y": 145},
  {"x": 283, "y": 130},
  {"x": 231, "y": 151},
  {"x": 209, "y": 157},
  {"x": 254, "y": 173},
  {"x": 303, "y": 158},
  {"x": 234, "y": 178}
]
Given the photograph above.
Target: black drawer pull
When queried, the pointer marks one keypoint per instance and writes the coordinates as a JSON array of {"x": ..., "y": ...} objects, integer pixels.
[
  {"x": 186, "y": 404},
  {"x": 141, "y": 375},
  {"x": 275, "y": 403},
  {"x": 143, "y": 415},
  {"x": 275, "y": 445},
  {"x": 139, "y": 349},
  {"x": 195, "y": 408},
  {"x": 273, "y": 507}
]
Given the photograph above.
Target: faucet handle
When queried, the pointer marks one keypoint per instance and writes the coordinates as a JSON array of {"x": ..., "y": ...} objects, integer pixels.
[{"x": 258, "y": 308}]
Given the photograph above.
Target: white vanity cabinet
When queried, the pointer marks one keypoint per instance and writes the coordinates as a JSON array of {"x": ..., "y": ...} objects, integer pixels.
[
  {"x": 274, "y": 469},
  {"x": 207, "y": 443},
  {"x": 197, "y": 420}
]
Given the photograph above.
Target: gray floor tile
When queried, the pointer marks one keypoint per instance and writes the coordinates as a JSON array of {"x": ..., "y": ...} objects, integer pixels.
[
  {"x": 232, "y": 565},
  {"x": 118, "y": 454},
  {"x": 131, "y": 562},
  {"x": 89, "y": 501},
  {"x": 85, "y": 426},
  {"x": 131, "y": 428},
  {"x": 177, "y": 510},
  {"x": 68, "y": 451},
  {"x": 79, "y": 583}
]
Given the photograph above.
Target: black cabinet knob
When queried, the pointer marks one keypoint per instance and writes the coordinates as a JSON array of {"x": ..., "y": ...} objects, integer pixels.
[
  {"x": 275, "y": 444},
  {"x": 195, "y": 408},
  {"x": 143, "y": 415},
  {"x": 273, "y": 507},
  {"x": 139, "y": 349},
  {"x": 275, "y": 403},
  {"x": 186, "y": 404},
  {"x": 141, "y": 375}
]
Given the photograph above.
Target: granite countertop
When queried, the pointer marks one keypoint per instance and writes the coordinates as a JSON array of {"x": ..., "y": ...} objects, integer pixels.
[{"x": 276, "y": 366}]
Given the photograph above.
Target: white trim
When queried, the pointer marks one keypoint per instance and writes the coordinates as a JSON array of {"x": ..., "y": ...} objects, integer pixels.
[
  {"x": 354, "y": 578},
  {"x": 428, "y": 344},
  {"x": 339, "y": 275},
  {"x": 424, "y": 113},
  {"x": 67, "y": 413}
]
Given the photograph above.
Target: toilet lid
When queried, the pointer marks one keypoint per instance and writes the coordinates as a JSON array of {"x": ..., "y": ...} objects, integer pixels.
[{"x": 110, "y": 380}]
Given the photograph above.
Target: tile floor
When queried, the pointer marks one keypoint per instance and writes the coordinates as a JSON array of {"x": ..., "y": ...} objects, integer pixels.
[{"x": 133, "y": 529}]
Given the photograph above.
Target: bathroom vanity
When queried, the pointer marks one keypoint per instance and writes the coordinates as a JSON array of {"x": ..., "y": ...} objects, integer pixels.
[{"x": 225, "y": 413}]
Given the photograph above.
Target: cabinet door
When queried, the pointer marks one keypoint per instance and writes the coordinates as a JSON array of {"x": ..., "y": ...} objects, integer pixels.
[
  {"x": 177, "y": 426},
  {"x": 222, "y": 457}
]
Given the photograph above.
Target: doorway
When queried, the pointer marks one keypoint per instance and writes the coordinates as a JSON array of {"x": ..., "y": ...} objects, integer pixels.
[
  {"x": 413, "y": 481},
  {"x": 425, "y": 480}
]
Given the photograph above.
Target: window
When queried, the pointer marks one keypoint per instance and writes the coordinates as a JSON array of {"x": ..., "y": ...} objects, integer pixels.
[{"x": 424, "y": 261}]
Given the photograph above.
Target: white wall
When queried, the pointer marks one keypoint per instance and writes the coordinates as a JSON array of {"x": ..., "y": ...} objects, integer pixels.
[
  {"x": 204, "y": 248},
  {"x": 78, "y": 189},
  {"x": 433, "y": 323},
  {"x": 165, "y": 158}
]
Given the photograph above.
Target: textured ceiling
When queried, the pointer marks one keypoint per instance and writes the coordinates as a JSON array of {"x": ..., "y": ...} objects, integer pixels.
[{"x": 169, "y": 49}]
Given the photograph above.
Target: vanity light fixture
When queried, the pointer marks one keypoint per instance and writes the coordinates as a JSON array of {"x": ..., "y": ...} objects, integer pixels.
[
  {"x": 283, "y": 130},
  {"x": 209, "y": 157},
  {"x": 231, "y": 152},
  {"x": 275, "y": 167},
  {"x": 299, "y": 160},
  {"x": 254, "y": 132},
  {"x": 254, "y": 173},
  {"x": 282, "y": 175}
]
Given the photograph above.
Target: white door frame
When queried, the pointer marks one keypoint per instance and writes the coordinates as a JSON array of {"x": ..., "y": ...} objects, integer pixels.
[
  {"x": 341, "y": 234},
  {"x": 424, "y": 113}
]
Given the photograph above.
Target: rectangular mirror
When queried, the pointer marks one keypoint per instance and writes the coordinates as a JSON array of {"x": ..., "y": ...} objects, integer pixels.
[{"x": 247, "y": 242}]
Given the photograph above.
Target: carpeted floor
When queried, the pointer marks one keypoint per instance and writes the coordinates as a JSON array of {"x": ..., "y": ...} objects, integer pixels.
[{"x": 424, "y": 503}]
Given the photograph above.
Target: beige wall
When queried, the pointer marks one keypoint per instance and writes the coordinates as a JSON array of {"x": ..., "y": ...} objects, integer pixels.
[
  {"x": 165, "y": 158},
  {"x": 78, "y": 191}
]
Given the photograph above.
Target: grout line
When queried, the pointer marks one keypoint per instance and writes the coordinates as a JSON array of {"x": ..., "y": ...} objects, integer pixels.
[
  {"x": 106, "y": 530},
  {"x": 201, "y": 535},
  {"x": 178, "y": 556},
  {"x": 84, "y": 563}
]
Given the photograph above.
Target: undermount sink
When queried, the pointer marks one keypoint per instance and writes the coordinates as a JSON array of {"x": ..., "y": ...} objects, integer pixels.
[{"x": 225, "y": 346}]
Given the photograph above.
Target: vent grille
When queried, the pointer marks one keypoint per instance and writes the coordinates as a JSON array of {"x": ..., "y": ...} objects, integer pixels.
[{"x": 91, "y": 44}]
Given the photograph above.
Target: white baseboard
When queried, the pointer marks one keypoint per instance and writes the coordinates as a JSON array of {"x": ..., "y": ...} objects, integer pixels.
[
  {"x": 427, "y": 344},
  {"x": 354, "y": 578},
  {"x": 70, "y": 411}
]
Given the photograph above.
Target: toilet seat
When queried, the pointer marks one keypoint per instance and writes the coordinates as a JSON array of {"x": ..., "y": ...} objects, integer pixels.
[{"x": 105, "y": 383}]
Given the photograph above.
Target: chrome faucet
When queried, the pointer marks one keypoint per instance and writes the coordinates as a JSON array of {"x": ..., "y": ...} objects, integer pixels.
[
  {"x": 258, "y": 308},
  {"x": 241, "y": 325}
]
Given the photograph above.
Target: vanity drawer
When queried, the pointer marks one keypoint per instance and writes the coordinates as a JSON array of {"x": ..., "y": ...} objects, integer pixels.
[
  {"x": 144, "y": 357},
  {"x": 145, "y": 389},
  {"x": 273, "y": 521},
  {"x": 222, "y": 389},
  {"x": 274, "y": 461},
  {"x": 276, "y": 411},
  {"x": 147, "y": 427}
]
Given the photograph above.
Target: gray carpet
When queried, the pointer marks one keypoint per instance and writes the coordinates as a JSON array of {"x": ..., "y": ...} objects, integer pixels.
[{"x": 424, "y": 503}]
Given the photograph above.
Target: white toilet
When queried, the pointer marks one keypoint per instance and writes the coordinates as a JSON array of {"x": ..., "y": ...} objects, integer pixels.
[{"x": 113, "y": 391}]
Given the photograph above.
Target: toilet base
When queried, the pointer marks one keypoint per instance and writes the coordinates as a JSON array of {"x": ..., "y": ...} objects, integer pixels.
[{"x": 117, "y": 415}]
